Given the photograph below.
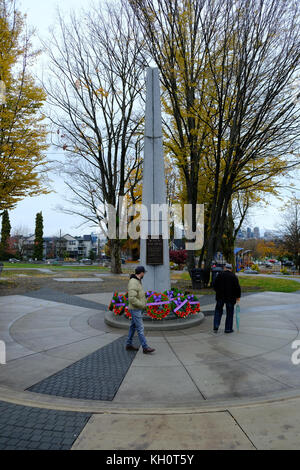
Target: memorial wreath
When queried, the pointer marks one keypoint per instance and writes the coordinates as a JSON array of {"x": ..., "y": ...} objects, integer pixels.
[{"x": 159, "y": 305}]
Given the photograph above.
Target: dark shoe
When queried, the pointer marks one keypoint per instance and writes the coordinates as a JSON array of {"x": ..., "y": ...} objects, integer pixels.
[
  {"x": 129, "y": 347},
  {"x": 148, "y": 350},
  {"x": 230, "y": 331},
  {"x": 216, "y": 330}
]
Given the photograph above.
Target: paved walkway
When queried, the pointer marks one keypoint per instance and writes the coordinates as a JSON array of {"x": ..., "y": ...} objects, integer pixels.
[
  {"x": 42, "y": 270},
  {"x": 199, "y": 390}
]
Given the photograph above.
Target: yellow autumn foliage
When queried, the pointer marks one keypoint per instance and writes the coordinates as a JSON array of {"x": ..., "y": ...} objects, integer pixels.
[{"x": 22, "y": 132}]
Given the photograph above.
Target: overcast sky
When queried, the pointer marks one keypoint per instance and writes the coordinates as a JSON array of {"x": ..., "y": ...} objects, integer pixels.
[{"x": 41, "y": 15}]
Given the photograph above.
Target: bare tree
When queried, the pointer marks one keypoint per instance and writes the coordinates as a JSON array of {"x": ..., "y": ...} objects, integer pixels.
[
  {"x": 229, "y": 70},
  {"x": 173, "y": 38},
  {"x": 20, "y": 233},
  {"x": 291, "y": 230},
  {"x": 97, "y": 81},
  {"x": 253, "y": 60}
]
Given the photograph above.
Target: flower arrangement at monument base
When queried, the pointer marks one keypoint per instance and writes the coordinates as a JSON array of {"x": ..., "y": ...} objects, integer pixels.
[
  {"x": 159, "y": 305},
  {"x": 182, "y": 308},
  {"x": 119, "y": 304},
  {"x": 194, "y": 304},
  {"x": 183, "y": 304}
]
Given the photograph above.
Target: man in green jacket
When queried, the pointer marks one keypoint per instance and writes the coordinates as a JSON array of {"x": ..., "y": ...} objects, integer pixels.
[{"x": 137, "y": 303}]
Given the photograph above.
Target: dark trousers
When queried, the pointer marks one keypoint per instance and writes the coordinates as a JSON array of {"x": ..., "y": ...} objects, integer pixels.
[{"x": 219, "y": 313}]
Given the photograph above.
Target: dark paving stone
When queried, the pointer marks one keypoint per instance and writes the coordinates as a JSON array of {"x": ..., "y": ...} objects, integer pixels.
[
  {"x": 97, "y": 376},
  {"x": 46, "y": 293},
  {"x": 28, "y": 434}
]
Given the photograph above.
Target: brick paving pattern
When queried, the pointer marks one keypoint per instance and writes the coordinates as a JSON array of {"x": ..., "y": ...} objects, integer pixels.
[
  {"x": 46, "y": 293},
  {"x": 97, "y": 376},
  {"x": 28, "y": 428}
]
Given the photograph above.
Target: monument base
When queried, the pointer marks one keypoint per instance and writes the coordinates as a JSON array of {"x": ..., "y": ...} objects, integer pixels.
[{"x": 155, "y": 325}]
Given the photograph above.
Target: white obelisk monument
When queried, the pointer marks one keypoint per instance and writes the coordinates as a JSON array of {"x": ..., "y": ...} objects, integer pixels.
[{"x": 154, "y": 223}]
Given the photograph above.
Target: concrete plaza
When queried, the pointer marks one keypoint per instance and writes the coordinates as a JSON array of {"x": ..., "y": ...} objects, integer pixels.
[{"x": 199, "y": 390}]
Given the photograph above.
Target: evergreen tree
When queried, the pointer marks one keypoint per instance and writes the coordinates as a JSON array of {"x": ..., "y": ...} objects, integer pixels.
[
  {"x": 5, "y": 234},
  {"x": 38, "y": 241}
]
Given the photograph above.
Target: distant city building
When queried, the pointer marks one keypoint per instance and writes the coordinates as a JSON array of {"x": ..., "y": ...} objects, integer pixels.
[
  {"x": 256, "y": 232},
  {"x": 272, "y": 235},
  {"x": 248, "y": 233},
  {"x": 241, "y": 234}
]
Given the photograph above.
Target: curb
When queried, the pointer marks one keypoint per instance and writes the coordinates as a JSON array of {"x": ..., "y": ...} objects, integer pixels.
[
  {"x": 36, "y": 400},
  {"x": 155, "y": 325}
]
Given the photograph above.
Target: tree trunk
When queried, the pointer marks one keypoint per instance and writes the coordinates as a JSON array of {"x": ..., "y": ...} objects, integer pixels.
[
  {"x": 217, "y": 225},
  {"x": 203, "y": 249},
  {"x": 192, "y": 199},
  {"x": 115, "y": 253},
  {"x": 228, "y": 238},
  {"x": 201, "y": 257},
  {"x": 190, "y": 261}
]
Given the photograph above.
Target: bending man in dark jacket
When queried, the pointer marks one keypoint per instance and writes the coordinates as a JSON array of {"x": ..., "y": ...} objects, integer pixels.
[{"x": 228, "y": 291}]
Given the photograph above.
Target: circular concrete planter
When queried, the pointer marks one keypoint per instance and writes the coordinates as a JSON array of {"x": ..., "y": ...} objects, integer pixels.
[{"x": 155, "y": 325}]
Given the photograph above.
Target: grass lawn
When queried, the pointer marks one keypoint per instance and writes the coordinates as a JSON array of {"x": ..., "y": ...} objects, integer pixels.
[
  {"x": 25, "y": 273},
  {"x": 270, "y": 284},
  {"x": 7, "y": 283},
  {"x": 252, "y": 283}
]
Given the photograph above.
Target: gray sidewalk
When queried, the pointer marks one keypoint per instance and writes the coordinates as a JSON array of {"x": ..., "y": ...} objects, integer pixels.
[{"x": 196, "y": 385}]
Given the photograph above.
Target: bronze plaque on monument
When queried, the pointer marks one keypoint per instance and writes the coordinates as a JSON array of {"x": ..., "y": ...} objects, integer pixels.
[{"x": 154, "y": 251}]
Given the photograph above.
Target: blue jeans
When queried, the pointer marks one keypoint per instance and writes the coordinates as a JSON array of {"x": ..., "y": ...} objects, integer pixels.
[
  {"x": 136, "y": 324},
  {"x": 219, "y": 313}
]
